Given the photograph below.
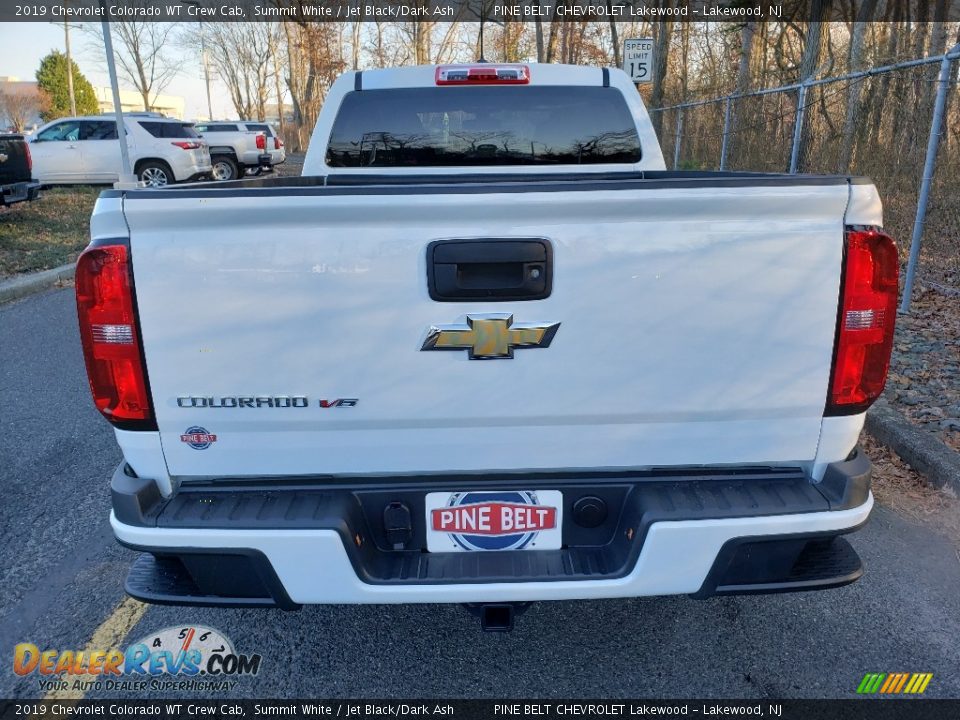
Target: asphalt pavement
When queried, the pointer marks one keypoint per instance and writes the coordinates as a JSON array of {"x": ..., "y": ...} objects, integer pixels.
[{"x": 61, "y": 578}]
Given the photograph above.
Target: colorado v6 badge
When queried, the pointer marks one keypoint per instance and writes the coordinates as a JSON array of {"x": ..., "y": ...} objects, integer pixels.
[{"x": 494, "y": 520}]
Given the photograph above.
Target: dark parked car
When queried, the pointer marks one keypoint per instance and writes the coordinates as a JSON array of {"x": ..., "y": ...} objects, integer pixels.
[{"x": 15, "y": 168}]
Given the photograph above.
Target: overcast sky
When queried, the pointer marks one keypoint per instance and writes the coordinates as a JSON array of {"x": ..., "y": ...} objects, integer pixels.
[{"x": 24, "y": 45}]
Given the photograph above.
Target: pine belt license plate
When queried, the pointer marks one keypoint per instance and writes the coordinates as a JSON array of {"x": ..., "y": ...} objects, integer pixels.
[{"x": 488, "y": 521}]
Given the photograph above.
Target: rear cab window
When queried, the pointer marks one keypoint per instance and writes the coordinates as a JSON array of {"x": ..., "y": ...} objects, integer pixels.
[
  {"x": 169, "y": 129},
  {"x": 260, "y": 127},
  {"x": 216, "y": 128},
  {"x": 483, "y": 126}
]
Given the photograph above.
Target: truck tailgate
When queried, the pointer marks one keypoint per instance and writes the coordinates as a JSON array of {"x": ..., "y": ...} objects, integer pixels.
[
  {"x": 14, "y": 159},
  {"x": 696, "y": 326}
]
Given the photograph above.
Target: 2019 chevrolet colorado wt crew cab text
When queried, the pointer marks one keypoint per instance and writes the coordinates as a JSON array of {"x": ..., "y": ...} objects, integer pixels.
[{"x": 487, "y": 350}]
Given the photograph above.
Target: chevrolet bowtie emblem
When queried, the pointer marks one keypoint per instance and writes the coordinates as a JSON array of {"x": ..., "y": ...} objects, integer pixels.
[{"x": 491, "y": 336}]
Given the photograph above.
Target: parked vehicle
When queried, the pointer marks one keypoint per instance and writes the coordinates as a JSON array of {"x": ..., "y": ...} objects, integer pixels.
[
  {"x": 238, "y": 146},
  {"x": 488, "y": 321},
  {"x": 86, "y": 150},
  {"x": 16, "y": 184}
]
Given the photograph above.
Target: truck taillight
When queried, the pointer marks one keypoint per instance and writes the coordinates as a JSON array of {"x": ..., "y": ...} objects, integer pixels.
[
  {"x": 110, "y": 338},
  {"x": 261, "y": 142},
  {"x": 277, "y": 142},
  {"x": 868, "y": 313},
  {"x": 483, "y": 74},
  {"x": 26, "y": 147}
]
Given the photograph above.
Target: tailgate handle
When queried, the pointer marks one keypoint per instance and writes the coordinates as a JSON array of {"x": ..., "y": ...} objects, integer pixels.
[{"x": 489, "y": 269}]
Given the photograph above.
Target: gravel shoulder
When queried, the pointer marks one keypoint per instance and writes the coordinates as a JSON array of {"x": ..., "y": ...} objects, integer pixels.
[{"x": 924, "y": 380}]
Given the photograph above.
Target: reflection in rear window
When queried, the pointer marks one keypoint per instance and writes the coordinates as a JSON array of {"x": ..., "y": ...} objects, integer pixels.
[
  {"x": 169, "y": 129},
  {"x": 487, "y": 125}
]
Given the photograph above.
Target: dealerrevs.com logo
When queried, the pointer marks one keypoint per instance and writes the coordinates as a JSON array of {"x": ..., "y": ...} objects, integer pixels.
[{"x": 175, "y": 658}]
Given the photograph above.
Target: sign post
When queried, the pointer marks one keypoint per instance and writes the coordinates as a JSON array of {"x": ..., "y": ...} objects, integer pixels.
[
  {"x": 638, "y": 59},
  {"x": 126, "y": 180}
]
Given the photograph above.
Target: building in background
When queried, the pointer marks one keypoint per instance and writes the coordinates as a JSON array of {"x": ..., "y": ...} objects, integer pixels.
[{"x": 131, "y": 101}]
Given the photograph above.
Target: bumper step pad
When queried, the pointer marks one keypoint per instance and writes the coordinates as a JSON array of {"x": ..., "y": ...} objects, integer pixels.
[
  {"x": 167, "y": 581},
  {"x": 772, "y": 566}
]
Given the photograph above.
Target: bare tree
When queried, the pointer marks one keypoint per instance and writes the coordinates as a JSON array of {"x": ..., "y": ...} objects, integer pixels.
[
  {"x": 857, "y": 37},
  {"x": 810, "y": 62},
  {"x": 380, "y": 45},
  {"x": 747, "y": 32},
  {"x": 615, "y": 41},
  {"x": 538, "y": 30},
  {"x": 355, "y": 39},
  {"x": 142, "y": 52},
  {"x": 313, "y": 61},
  {"x": 244, "y": 55},
  {"x": 274, "y": 49},
  {"x": 20, "y": 103},
  {"x": 661, "y": 41},
  {"x": 554, "y": 37}
]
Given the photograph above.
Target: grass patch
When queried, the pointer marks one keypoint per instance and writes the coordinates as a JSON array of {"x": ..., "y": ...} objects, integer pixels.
[{"x": 47, "y": 232}]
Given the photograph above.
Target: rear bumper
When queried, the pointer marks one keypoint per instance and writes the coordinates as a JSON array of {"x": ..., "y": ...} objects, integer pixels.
[
  {"x": 705, "y": 534},
  {"x": 19, "y": 192},
  {"x": 191, "y": 171},
  {"x": 258, "y": 159}
]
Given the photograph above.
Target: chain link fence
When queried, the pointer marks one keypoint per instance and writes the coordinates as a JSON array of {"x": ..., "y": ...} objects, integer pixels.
[{"x": 875, "y": 123}]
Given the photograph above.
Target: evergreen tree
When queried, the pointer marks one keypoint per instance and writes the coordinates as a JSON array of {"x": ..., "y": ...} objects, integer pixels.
[{"x": 52, "y": 79}]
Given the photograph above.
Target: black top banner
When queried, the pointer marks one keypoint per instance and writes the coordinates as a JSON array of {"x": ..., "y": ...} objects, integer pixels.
[{"x": 499, "y": 11}]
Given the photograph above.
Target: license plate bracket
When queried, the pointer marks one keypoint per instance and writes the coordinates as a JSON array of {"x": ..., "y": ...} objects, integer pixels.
[{"x": 494, "y": 520}]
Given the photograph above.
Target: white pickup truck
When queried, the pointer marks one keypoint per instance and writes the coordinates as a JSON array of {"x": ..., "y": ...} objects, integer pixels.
[
  {"x": 239, "y": 145},
  {"x": 486, "y": 350}
]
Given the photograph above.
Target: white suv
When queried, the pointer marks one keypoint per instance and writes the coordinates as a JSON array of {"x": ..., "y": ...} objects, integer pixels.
[{"x": 86, "y": 150}]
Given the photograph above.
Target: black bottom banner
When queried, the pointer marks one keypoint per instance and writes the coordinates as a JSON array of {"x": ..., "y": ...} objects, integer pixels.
[{"x": 867, "y": 709}]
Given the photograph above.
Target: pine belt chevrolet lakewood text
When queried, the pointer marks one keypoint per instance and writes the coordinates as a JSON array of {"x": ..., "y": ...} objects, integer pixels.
[{"x": 488, "y": 351}]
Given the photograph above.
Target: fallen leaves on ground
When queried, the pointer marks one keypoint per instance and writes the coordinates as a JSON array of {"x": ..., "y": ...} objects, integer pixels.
[{"x": 899, "y": 487}]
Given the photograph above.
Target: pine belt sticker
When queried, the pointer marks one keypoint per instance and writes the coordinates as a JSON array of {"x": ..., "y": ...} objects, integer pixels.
[
  {"x": 494, "y": 520},
  {"x": 198, "y": 438}
]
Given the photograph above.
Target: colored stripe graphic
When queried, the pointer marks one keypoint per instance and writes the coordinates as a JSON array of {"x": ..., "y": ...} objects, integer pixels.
[
  {"x": 892, "y": 680},
  {"x": 894, "y": 683},
  {"x": 918, "y": 683},
  {"x": 903, "y": 681},
  {"x": 871, "y": 683}
]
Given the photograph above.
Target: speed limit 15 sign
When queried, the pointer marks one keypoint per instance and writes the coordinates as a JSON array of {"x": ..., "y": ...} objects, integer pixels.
[{"x": 638, "y": 59}]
